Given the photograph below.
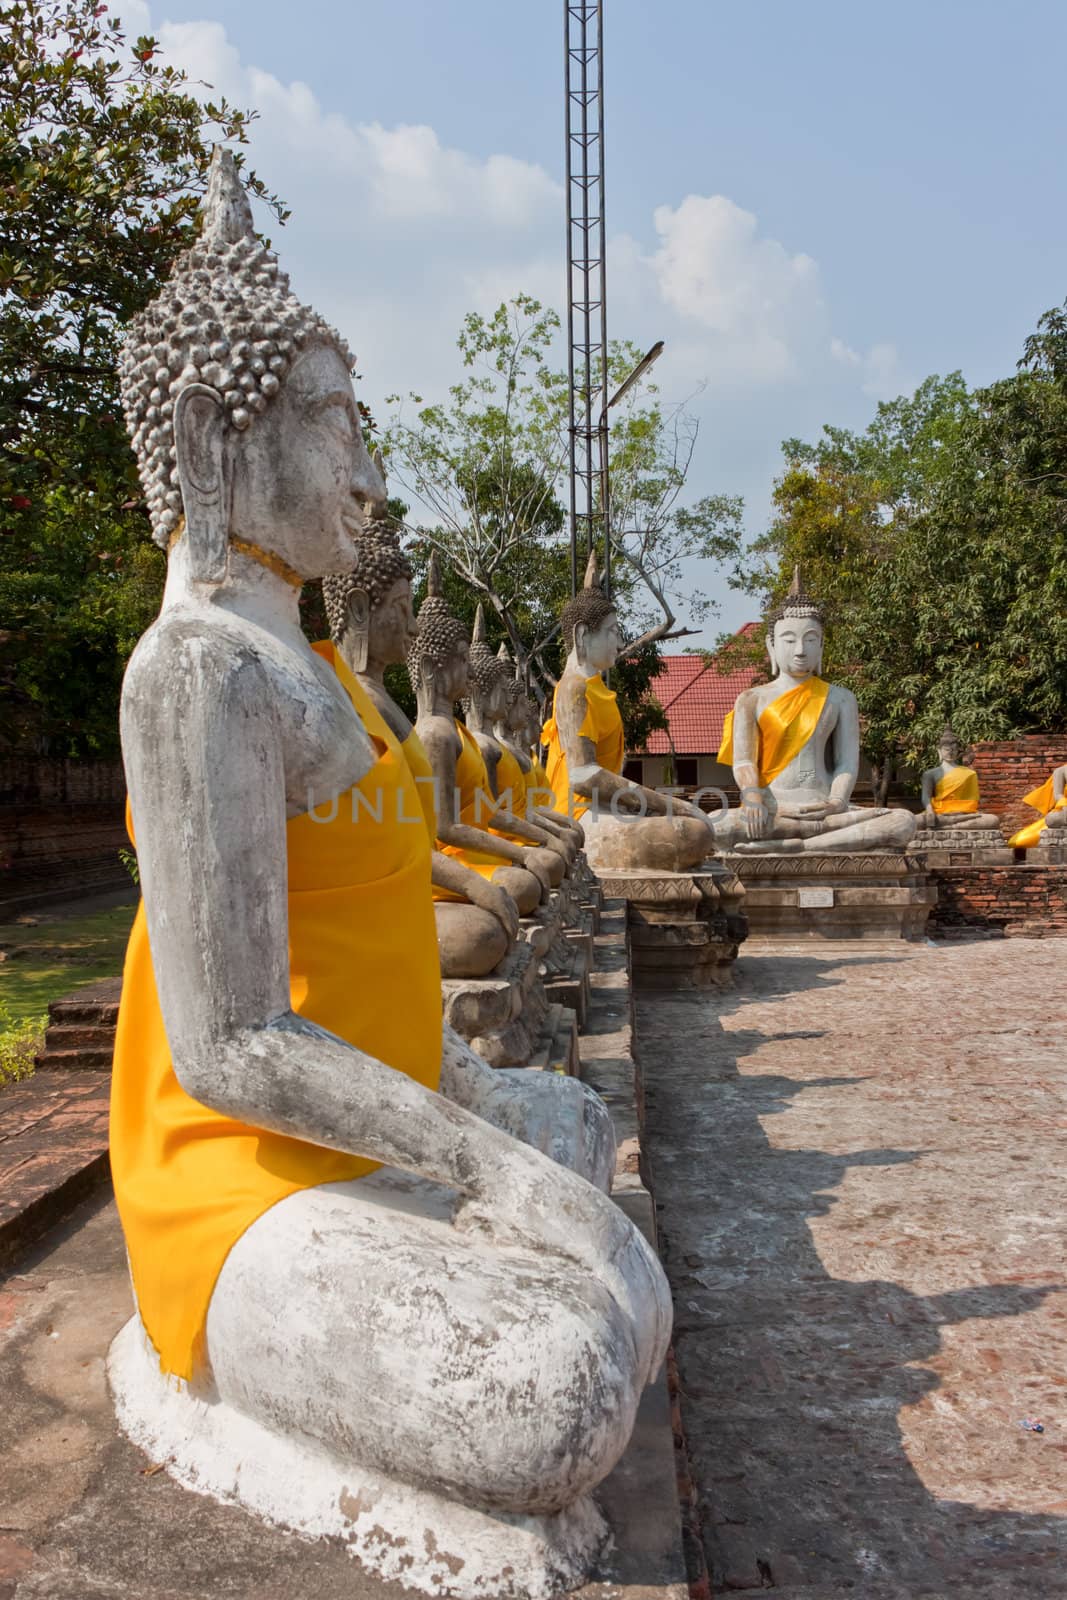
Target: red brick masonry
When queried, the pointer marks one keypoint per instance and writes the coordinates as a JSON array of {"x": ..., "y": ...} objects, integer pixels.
[
  {"x": 1009, "y": 768},
  {"x": 1025, "y": 901},
  {"x": 53, "y": 1151}
]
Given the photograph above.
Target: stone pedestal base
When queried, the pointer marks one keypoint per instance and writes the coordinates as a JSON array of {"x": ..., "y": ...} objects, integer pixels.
[
  {"x": 508, "y": 1018},
  {"x": 960, "y": 847},
  {"x": 1051, "y": 848},
  {"x": 863, "y": 895},
  {"x": 685, "y": 927}
]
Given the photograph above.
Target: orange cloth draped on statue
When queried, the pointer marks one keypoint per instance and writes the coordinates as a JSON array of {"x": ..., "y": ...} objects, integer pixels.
[
  {"x": 956, "y": 794},
  {"x": 602, "y": 724},
  {"x": 510, "y": 784},
  {"x": 785, "y": 726},
  {"x": 1041, "y": 799},
  {"x": 363, "y": 963},
  {"x": 473, "y": 805}
]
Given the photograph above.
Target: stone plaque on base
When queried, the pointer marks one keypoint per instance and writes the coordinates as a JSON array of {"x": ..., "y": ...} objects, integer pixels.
[{"x": 877, "y": 894}]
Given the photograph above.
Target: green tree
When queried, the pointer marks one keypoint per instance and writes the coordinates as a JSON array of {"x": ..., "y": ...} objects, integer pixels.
[
  {"x": 937, "y": 539},
  {"x": 104, "y": 152},
  {"x": 489, "y": 466}
]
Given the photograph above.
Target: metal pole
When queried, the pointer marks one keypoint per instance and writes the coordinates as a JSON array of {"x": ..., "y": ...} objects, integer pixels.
[
  {"x": 605, "y": 507},
  {"x": 570, "y": 290}
]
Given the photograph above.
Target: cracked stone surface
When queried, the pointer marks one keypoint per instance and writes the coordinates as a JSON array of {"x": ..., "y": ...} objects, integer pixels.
[{"x": 858, "y": 1163}]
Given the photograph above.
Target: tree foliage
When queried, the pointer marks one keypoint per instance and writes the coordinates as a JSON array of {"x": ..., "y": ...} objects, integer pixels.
[
  {"x": 489, "y": 465},
  {"x": 104, "y": 152},
  {"x": 938, "y": 540}
]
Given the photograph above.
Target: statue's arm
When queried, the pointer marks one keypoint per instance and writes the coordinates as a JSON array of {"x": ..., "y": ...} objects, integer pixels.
[
  {"x": 1059, "y": 783},
  {"x": 755, "y": 803},
  {"x": 929, "y": 784},
  {"x": 590, "y": 780},
  {"x": 203, "y": 750},
  {"x": 846, "y": 737},
  {"x": 448, "y": 873},
  {"x": 440, "y": 745}
]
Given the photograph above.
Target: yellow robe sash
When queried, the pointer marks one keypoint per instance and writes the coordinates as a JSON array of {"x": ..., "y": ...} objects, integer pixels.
[
  {"x": 510, "y": 783},
  {"x": 956, "y": 793},
  {"x": 475, "y": 805},
  {"x": 1040, "y": 799},
  {"x": 363, "y": 963},
  {"x": 785, "y": 726},
  {"x": 602, "y": 724}
]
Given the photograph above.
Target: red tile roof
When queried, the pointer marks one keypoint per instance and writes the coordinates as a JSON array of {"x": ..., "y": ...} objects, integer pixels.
[{"x": 696, "y": 698}]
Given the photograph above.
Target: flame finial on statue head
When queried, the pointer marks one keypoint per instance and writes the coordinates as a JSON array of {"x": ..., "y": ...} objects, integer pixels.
[
  {"x": 590, "y": 605},
  {"x": 226, "y": 209},
  {"x": 797, "y": 603}
]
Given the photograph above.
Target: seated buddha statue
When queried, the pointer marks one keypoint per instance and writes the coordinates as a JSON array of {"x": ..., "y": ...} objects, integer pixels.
[
  {"x": 371, "y": 1301},
  {"x": 467, "y": 814},
  {"x": 372, "y": 625},
  {"x": 1049, "y": 799},
  {"x": 794, "y": 746},
  {"x": 515, "y": 732},
  {"x": 950, "y": 792},
  {"x": 626, "y": 826},
  {"x": 486, "y": 703}
]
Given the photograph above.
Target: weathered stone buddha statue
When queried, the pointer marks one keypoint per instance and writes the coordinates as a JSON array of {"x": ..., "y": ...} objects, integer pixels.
[
  {"x": 626, "y": 826},
  {"x": 370, "y": 1305},
  {"x": 470, "y": 827},
  {"x": 794, "y": 746},
  {"x": 372, "y": 626},
  {"x": 486, "y": 706},
  {"x": 950, "y": 792},
  {"x": 1049, "y": 799}
]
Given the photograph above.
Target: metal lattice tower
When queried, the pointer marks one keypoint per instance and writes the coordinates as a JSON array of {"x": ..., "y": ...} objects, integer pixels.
[{"x": 587, "y": 335}]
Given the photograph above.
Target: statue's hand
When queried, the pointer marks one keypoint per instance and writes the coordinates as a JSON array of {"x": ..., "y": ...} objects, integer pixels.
[
  {"x": 756, "y": 814},
  {"x": 544, "y": 864},
  {"x": 816, "y": 810},
  {"x": 490, "y": 897}
]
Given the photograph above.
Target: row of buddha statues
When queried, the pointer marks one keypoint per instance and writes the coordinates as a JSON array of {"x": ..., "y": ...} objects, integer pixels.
[
  {"x": 950, "y": 802},
  {"x": 382, "y": 1292}
]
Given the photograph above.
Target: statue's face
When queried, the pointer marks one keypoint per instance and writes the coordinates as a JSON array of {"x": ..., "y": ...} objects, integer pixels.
[
  {"x": 392, "y": 625},
  {"x": 949, "y": 751},
  {"x": 497, "y": 703},
  {"x": 796, "y": 646},
  {"x": 301, "y": 475},
  {"x": 598, "y": 648}
]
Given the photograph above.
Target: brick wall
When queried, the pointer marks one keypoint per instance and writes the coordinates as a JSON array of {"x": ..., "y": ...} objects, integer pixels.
[
  {"x": 1028, "y": 901},
  {"x": 61, "y": 827},
  {"x": 1007, "y": 769}
]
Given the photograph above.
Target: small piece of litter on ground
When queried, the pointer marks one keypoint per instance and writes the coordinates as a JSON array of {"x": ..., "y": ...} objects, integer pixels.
[
  {"x": 150, "y": 1472},
  {"x": 1032, "y": 1425}
]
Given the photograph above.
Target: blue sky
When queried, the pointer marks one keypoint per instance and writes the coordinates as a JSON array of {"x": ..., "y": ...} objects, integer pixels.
[{"x": 815, "y": 205}]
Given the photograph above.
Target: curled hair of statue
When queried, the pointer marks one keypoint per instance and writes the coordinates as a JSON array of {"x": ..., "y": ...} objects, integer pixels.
[
  {"x": 485, "y": 668},
  {"x": 510, "y": 673},
  {"x": 379, "y": 565},
  {"x": 590, "y": 606},
  {"x": 439, "y": 635},
  {"x": 797, "y": 603},
  {"x": 225, "y": 318}
]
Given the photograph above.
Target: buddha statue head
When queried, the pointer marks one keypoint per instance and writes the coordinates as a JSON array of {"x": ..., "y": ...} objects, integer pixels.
[
  {"x": 438, "y": 658},
  {"x": 488, "y": 676},
  {"x": 795, "y": 633},
  {"x": 590, "y": 626},
  {"x": 369, "y": 608},
  {"x": 240, "y": 405},
  {"x": 948, "y": 747}
]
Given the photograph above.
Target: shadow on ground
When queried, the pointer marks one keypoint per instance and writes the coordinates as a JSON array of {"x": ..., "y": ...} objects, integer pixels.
[{"x": 792, "y": 1380}]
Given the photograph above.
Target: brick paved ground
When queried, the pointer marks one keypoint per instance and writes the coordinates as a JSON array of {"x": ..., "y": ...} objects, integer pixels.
[
  {"x": 858, "y": 1158},
  {"x": 53, "y": 1151}
]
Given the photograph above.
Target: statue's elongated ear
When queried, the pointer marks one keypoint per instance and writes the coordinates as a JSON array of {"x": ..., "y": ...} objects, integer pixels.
[
  {"x": 357, "y": 626},
  {"x": 199, "y": 433}
]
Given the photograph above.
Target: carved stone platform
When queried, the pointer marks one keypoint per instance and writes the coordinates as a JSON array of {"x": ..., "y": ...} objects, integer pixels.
[
  {"x": 1050, "y": 849},
  {"x": 875, "y": 894},
  {"x": 685, "y": 927},
  {"x": 961, "y": 847}
]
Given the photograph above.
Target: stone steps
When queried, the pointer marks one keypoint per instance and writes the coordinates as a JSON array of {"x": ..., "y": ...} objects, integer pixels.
[{"x": 81, "y": 1029}]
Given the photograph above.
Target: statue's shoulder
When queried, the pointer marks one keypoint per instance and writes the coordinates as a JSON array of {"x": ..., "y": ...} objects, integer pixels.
[
  {"x": 189, "y": 652},
  {"x": 841, "y": 698},
  {"x": 750, "y": 700}
]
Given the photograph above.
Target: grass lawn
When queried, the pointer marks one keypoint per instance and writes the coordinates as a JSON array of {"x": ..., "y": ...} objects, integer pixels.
[{"x": 45, "y": 958}]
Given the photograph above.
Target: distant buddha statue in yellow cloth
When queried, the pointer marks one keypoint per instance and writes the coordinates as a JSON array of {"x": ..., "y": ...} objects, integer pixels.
[
  {"x": 1050, "y": 800},
  {"x": 794, "y": 746},
  {"x": 376, "y": 1298},
  {"x": 950, "y": 793},
  {"x": 626, "y": 826}
]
